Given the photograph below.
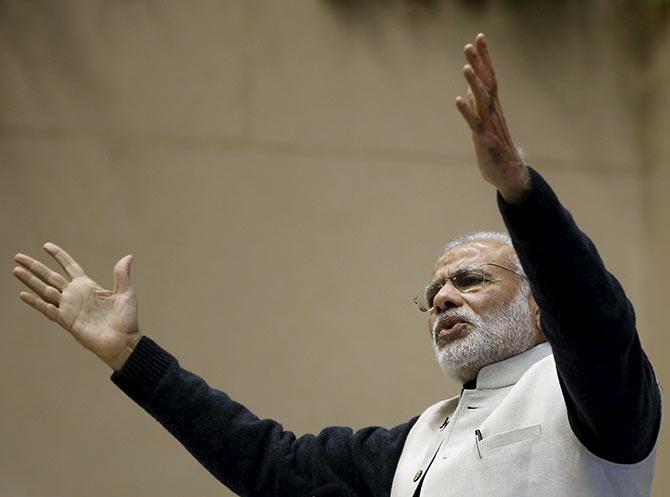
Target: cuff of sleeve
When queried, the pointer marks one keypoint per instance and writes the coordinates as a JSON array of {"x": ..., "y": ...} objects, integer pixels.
[
  {"x": 144, "y": 370},
  {"x": 541, "y": 203}
]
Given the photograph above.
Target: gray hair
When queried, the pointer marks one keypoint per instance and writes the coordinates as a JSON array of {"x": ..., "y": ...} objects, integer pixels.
[{"x": 479, "y": 236}]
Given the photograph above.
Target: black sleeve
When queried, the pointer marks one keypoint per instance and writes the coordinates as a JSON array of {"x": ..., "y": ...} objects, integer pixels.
[
  {"x": 252, "y": 456},
  {"x": 610, "y": 391}
]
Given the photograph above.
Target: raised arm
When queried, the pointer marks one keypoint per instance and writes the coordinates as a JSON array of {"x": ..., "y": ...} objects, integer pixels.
[
  {"x": 252, "y": 456},
  {"x": 610, "y": 391}
]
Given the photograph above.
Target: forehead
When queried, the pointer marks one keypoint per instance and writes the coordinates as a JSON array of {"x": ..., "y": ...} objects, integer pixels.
[{"x": 473, "y": 253}]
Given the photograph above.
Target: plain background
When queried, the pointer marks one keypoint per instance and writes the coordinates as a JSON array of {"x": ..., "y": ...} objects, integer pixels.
[{"x": 285, "y": 174}]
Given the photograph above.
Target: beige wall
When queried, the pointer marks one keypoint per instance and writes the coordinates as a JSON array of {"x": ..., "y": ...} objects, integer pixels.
[
  {"x": 284, "y": 174},
  {"x": 657, "y": 208}
]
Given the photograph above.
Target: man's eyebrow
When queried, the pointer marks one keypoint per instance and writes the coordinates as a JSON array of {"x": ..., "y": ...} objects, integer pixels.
[
  {"x": 461, "y": 270},
  {"x": 458, "y": 272}
]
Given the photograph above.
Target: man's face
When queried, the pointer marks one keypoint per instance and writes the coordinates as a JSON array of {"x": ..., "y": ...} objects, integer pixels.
[{"x": 483, "y": 317}]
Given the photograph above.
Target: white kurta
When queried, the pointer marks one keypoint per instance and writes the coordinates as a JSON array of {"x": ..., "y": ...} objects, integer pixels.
[{"x": 510, "y": 437}]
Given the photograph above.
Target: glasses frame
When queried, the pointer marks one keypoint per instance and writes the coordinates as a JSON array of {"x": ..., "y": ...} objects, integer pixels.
[{"x": 422, "y": 296}]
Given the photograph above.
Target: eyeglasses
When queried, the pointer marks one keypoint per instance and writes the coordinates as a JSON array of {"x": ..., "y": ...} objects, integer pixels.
[{"x": 465, "y": 280}]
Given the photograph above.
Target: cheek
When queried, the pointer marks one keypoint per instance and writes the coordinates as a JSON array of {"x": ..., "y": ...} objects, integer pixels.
[{"x": 484, "y": 302}]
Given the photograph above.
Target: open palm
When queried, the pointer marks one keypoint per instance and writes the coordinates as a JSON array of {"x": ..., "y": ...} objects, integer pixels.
[{"x": 103, "y": 321}]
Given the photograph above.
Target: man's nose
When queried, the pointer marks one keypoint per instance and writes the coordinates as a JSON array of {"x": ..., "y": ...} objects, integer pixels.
[{"x": 447, "y": 297}]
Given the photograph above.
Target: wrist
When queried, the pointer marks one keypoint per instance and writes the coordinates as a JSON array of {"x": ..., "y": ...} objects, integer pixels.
[
  {"x": 515, "y": 192},
  {"x": 121, "y": 358}
]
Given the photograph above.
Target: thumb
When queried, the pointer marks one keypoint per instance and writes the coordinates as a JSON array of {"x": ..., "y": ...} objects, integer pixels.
[{"x": 122, "y": 274}]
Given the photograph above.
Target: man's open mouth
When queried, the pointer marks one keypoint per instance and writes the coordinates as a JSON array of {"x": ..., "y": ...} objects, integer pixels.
[{"x": 449, "y": 326}]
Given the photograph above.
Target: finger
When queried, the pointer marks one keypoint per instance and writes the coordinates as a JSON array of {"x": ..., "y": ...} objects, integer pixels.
[
  {"x": 66, "y": 261},
  {"x": 41, "y": 271},
  {"x": 481, "y": 94},
  {"x": 48, "y": 293},
  {"x": 122, "y": 274},
  {"x": 483, "y": 50},
  {"x": 49, "y": 310},
  {"x": 469, "y": 115},
  {"x": 472, "y": 102},
  {"x": 485, "y": 57},
  {"x": 477, "y": 64}
]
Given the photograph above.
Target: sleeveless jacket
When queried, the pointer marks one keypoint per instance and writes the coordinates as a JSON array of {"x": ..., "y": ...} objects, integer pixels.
[{"x": 513, "y": 422}]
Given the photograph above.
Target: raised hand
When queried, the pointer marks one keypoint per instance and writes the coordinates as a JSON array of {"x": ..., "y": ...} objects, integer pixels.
[
  {"x": 500, "y": 162},
  {"x": 103, "y": 321}
]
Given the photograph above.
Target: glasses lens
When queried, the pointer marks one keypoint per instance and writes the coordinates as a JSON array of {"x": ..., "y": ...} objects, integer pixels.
[
  {"x": 465, "y": 281},
  {"x": 470, "y": 281}
]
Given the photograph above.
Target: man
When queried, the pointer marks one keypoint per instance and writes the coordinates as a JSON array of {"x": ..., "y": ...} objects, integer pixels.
[{"x": 558, "y": 400}]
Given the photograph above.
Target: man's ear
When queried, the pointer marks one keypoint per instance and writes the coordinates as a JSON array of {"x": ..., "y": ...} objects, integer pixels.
[{"x": 535, "y": 311}]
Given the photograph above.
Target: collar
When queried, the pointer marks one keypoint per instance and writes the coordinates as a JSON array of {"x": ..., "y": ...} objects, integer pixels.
[{"x": 507, "y": 372}]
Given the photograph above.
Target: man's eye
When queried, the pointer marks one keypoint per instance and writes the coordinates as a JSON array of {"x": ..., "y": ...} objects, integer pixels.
[{"x": 469, "y": 280}]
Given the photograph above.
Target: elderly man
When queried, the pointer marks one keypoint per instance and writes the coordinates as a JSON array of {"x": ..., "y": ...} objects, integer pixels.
[{"x": 558, "y": 396}]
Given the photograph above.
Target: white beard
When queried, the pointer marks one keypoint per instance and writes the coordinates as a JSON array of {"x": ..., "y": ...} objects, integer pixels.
[{"x": 498, "y": 335}]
